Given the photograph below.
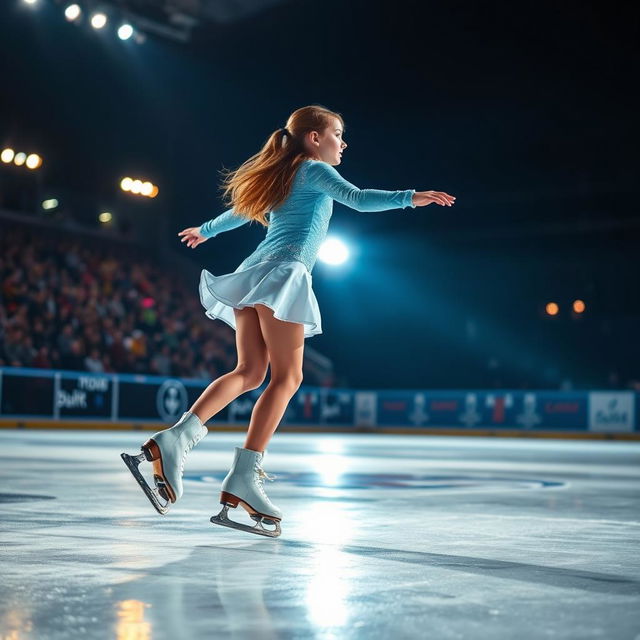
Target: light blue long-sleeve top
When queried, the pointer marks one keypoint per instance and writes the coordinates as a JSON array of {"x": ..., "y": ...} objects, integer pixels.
[{"x": 299, "y": 225}]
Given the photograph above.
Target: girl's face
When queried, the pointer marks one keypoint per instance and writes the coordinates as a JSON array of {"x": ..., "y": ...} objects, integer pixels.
[{"x": 328, "y": 145}]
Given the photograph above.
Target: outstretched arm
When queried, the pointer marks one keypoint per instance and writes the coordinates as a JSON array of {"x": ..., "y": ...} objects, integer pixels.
[
  {"x": 224, "y": 222},
  {"x": 325, "y": 178}
]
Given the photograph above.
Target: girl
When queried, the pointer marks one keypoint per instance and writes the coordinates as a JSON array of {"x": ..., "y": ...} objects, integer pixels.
[{"x": 288, "y": 187}]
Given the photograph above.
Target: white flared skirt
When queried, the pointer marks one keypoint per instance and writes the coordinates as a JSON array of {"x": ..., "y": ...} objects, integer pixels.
[{"x": 284, "y": 287}]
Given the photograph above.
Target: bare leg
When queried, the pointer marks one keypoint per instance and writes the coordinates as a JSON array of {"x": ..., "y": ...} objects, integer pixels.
[
  {"x": 219, "y": 394},
  {"x": 248, "y": 374},
  {"x": 285, "y": 346}
]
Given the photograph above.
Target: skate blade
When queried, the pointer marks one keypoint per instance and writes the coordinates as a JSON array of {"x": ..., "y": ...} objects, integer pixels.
[
  {"x": 153, "y": 494},
  {"x": 225, "y": 521}
]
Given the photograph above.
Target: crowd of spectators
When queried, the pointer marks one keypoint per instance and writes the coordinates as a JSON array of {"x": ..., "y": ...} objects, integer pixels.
[{"x": 87, "y": 305}]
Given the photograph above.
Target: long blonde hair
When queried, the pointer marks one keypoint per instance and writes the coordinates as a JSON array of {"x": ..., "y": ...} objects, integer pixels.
[{"x": 263, "y": 182}]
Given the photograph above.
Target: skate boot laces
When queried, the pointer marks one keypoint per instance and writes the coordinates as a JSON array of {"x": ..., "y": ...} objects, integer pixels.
[
  {"x": 262, "y": 475},
  {"x": 188, "y": 448}
]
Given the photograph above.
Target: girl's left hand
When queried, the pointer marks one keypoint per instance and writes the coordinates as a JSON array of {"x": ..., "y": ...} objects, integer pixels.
[
  {"x": 192, "y": 237},
  {"x": 423, "y": 198}
]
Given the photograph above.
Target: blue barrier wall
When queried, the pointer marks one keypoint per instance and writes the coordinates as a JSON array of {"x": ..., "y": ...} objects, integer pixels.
[{"x": 29, "y": 394}]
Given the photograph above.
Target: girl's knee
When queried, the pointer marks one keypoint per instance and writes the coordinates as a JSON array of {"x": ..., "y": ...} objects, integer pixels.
[
  {"x": 252, "y": 377},
  {"x": 290, "y": 382}
]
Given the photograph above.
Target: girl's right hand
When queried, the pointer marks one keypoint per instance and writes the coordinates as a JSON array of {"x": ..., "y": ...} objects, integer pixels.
[
  {"x": 192, "y": 237},
  {"x": 423, "y": 198}
]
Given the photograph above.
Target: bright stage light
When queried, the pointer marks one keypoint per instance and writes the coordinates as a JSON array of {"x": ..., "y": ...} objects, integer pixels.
[
  {"x": 20, "y": 159},
  {"x": 105, "y": 216},
  {"x": 30, "y": 1},
  {"x": 72, "y": 12},
  {"x": 125, "y": 32},
  {"x": 98, "y": 20},
  {"x": 139, "y": 187},
  {"x": 52, "y": 203},
  {"x": 333, "y": 251},
  {"x": 7, "y": 155},
  {"x": 33, "y": 161}
]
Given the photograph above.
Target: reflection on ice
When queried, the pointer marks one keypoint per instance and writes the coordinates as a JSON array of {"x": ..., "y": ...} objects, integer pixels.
[
  {"x": 329, "y": 467},
  {"x": 330, "y": 445},
  {"x": 15, "y": 623},
  {"x": 327, "y": 522},
  {"x": 328, "y": 589},
  {"x": 131, "y": 624}
]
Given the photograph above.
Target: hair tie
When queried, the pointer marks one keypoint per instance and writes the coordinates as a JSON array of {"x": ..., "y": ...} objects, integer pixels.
[{"x": 286, "y": 131}]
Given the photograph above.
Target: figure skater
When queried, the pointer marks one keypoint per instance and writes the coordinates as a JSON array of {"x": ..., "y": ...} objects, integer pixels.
[{"x": 288, "y": 187}]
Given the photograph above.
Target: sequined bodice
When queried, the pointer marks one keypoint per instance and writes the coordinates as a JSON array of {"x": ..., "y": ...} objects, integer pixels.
[{"x": 299, "y": 225}]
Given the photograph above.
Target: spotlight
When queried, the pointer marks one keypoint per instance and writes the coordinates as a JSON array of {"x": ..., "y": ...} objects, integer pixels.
[
  {"x": 105, "y": 216},
  {"x": 7, "y": 155},
  {"x": 333, "y": 251},
  {"x": 139, "y": 187},
  {"x": 19, "y": 159},
  {"x": 52, "y": 203},
  {"x": 30, "y": 1},
  {"x": 579, "y": 306},
  {"x": 33, "y": 161},
  {"x": 125, "y": 32},
  {"x": 98, "y": 20},
  {"x": 72, "y": 12}
]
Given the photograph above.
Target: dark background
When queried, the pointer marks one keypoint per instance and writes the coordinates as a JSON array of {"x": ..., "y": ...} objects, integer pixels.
[{"x": 526, "y": 112}]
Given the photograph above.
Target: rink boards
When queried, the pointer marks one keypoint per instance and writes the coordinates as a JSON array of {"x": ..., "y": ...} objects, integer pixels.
[{"x": 35, "y": 398}]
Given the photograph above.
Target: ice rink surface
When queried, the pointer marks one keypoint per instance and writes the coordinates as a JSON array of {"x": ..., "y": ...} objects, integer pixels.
[{"x": 382, "y": 537}]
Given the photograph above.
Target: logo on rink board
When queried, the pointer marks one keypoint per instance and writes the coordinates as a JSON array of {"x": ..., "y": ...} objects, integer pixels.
[
  {"x": 418, "y": 414},
  {"x": 171, "y": 400},
  {"x": 611, "y": 411},
  {"x": 366, "y": 408},
  {"x": 529, "y": 416},
  {"x": 470, "y": 417}
]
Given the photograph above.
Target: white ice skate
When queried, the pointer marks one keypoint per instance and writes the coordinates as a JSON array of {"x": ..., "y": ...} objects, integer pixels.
[
  {"x": 243, "y": 485},
  {"x": 167, "y": 450}
]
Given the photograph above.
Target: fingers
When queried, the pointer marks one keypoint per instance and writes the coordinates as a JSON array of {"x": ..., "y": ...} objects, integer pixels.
[
  {"x": 443, "y": 198},
  {"x": 450, "y": 199},
  {"x": 436, "y": 196},
  {"x": 189, "y": 239}
]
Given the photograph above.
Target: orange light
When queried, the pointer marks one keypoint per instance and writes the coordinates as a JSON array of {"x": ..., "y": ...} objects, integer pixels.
[
  {"x": 579, "y": 306},
  {"x": 552, "y": 308}
]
